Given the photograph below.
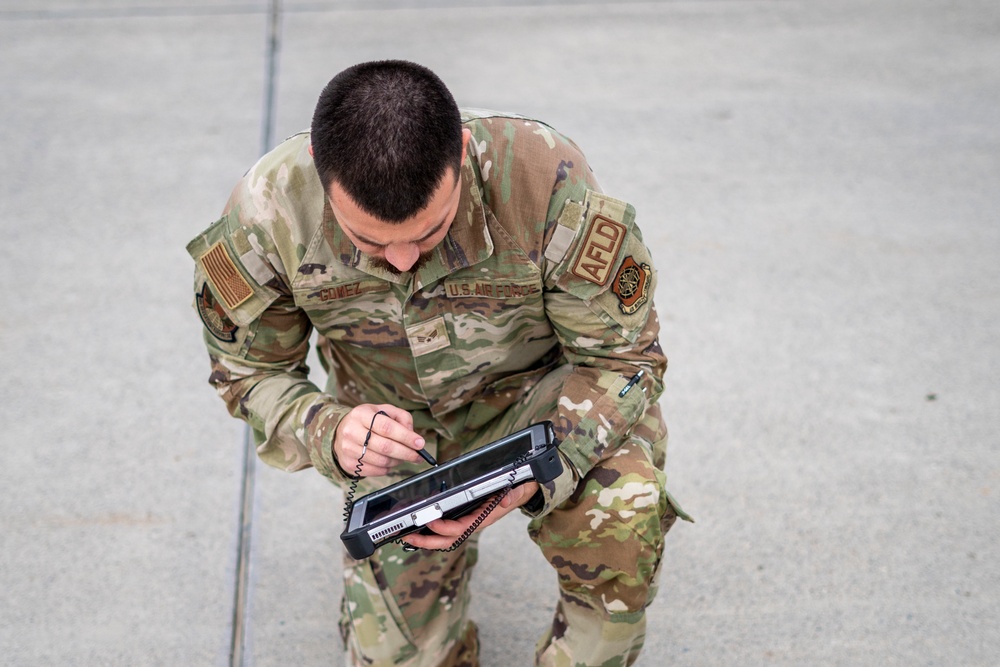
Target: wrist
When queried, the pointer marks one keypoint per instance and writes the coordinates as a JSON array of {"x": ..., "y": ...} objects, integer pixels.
[
  {"x": 552, "y": 494},
  {"x": 321, "y": 424},
  {"x": 536, "y": 503}
]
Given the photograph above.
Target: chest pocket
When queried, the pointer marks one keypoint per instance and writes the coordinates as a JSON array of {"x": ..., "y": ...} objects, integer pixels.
[
  {"x": 499, "y": 320},
  {"x": 363, "y": 312},
  {"x": 490, "y": 297}
]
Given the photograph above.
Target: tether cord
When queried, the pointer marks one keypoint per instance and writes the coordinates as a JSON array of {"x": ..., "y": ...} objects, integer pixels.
[{"x": 487, "y": 510}]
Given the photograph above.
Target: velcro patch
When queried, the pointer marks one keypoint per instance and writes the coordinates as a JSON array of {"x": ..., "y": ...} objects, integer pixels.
[
  {"x": 483, "y": 288},
  {"x": 348, "y": 290},
  {"x": 600, "y": 250},
  {"x": 632, "y": 285},
  {"x": 214, "y": 317},
  {"x": 428, "y": 336},
  {"x": 227, "y": 280}
]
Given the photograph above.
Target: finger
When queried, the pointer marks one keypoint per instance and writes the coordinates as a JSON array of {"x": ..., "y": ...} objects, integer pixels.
[
  {"x": 453, "y": 527},
  {"x": 519, "y": 495},
  {"x": 373, "y": 471},
  {"x": 373, "y": 459},
  {"x": 357, "y": 436},
  {"x": 362, "y": 467},
  {"x": 398, "y": 415},
  {"x": 430, "y": 542},
  {"x": 446, "y": 531},
  {"x": 391, "y": 450},
  {"x": 512, "y": 497},
  {"x": 459, "y": 525},
  {"x": 397, "y": 425}
]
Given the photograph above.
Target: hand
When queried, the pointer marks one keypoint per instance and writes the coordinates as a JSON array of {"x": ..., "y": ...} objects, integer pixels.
[
  {"x": 392, "y": 439},
  {"x": 448, "y": 530}
]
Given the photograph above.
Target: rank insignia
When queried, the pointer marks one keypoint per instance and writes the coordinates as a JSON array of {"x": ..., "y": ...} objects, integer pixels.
[
  {"x": 214, "y": 317},
  {"x": 427, "y": 337},
  {"x": 632, "y": 285}
]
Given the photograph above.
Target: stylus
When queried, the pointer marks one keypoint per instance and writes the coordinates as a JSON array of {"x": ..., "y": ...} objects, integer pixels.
[
  {"x": 631, "y": 383},
  {"x": 427, "y": 457}
]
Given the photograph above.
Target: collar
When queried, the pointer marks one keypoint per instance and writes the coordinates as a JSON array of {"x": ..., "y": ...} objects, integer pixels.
[{"x": 468, "y": 241}]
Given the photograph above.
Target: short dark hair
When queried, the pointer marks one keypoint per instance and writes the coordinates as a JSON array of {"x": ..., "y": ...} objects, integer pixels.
[{"x": 386, "y": 132}]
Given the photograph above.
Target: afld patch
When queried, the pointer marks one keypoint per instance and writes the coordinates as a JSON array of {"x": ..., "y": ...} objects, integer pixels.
[
  {"x": 632, "y": 285},
  {"x": 214, "y": 317},
  {"x": 600, "y": 250}
]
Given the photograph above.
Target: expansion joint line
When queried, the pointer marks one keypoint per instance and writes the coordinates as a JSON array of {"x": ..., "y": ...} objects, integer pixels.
[{"x": 245, "y": 529}]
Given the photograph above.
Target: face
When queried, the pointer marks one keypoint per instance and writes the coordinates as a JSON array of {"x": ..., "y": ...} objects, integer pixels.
[{"x": 404, "y": 246}]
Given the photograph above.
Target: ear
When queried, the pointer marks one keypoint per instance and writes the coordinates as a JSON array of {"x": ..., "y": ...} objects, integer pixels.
[
  {"x": 310, "y": 149},
  {"x": 466, "y": 136}
]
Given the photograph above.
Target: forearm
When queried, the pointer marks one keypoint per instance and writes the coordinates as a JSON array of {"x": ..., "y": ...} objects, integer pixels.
[
  {"x": 593, "y": 414},
  {"x": 582, "y": 398},
  {"x": 600, "y": 284},
  {"x": 292, "y": 421}
]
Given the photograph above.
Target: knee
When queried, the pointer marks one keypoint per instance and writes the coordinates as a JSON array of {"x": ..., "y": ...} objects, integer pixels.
[{"x": 606, "y": 542}]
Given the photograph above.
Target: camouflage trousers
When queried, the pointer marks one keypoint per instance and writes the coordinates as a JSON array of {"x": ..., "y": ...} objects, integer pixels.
[{"x": 605, "y": 544}]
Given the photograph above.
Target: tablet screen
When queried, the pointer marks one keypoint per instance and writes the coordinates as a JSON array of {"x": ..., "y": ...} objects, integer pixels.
[{"x": 446, "y": 476}]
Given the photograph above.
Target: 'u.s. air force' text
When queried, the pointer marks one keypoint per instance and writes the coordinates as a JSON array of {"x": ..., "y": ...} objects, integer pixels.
[
  {"x": 489, "y": 289},
  {"x": 486, "y": 289}
]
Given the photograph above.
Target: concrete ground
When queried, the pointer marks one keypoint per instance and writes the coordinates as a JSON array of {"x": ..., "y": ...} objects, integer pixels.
[{"x": 819, "y": 183}]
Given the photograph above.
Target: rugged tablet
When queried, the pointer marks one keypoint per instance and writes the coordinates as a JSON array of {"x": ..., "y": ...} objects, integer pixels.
[{"x": 451, "y": 489}]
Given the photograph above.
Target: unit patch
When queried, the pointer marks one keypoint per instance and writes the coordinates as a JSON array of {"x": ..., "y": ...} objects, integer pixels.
[
  {"x": 226, "y": 278},
  {"x": 428, "y": 336},
  {"x": 214, "y": 317},
  {"x": 600, "y": 249},
  {"x": 632, "y": 285}
]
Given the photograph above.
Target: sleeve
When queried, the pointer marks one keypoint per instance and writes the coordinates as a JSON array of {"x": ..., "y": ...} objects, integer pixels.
[
  {"x": 599, "y": 286},
  {"x": 257, "y": 341},
  {"x": 599, "y": 300}
]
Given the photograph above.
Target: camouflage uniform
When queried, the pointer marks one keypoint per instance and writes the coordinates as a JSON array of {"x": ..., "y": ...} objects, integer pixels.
[{"x": 537, "y": 305}]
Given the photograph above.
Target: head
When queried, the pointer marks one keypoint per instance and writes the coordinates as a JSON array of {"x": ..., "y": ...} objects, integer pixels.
[{"x": 388, "y": 144}]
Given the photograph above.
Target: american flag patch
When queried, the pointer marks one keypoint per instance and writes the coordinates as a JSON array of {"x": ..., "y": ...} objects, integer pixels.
[{"x": 227, "y": 280}]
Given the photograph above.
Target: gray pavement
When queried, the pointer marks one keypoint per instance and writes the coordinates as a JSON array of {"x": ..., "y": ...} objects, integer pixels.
[{"x": 820, "y": 185}]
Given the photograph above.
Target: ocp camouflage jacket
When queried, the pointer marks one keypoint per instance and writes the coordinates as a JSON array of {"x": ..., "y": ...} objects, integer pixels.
[{"x": 539, "y": 270}]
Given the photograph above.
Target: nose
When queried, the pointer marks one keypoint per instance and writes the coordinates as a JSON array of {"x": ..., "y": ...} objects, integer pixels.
[{"x": 402, "y": 255}]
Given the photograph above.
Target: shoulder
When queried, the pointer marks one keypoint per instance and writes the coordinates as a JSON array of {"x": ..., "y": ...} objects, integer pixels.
[
  {"x": 278, "y": 205},
  {"x": 271, "y": 217},
  {"x": 281, "y": 188},
  {"x": 527, "y": 167},
  {"x": 518, "y": 138}
]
